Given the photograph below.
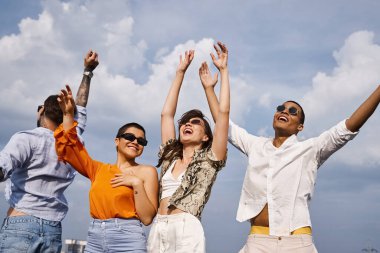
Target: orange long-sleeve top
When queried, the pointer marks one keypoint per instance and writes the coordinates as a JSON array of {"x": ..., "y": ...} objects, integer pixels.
[{"x": 105, "y": 201}]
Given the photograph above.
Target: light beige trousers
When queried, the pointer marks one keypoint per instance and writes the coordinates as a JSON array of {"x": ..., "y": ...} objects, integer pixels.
[
  {"x": 176, "y": 233},
  {"x": 279, "y": 244}
]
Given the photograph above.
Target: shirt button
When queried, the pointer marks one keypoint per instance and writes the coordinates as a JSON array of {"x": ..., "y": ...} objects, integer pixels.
[{"x": 279, "y": 238}]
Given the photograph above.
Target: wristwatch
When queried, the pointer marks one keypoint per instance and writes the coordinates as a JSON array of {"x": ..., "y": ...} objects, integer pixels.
[{"x": 88, "y": 73}]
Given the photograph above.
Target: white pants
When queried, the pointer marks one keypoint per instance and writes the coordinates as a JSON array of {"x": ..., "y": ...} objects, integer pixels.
[
  {"x": 176, "y": 233},
  {"x": 279, "y": 244}
]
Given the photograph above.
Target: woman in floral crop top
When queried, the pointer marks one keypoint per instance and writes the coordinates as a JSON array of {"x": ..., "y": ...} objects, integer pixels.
[{"x": 190, "y": 163}]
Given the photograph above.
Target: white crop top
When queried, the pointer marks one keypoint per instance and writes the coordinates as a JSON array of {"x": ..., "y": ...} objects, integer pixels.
[{"x": 169, "y": 183}]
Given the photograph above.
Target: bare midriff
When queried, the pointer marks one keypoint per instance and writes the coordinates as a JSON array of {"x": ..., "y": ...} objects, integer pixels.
[
  {"x": 262, "y": 219},
  {"x": 14, "y": 212},
  {"x": 164, "y": 210}
]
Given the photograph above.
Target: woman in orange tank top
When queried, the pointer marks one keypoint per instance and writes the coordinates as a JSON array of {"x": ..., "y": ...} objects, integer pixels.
[{"x": 123, "y": 196}]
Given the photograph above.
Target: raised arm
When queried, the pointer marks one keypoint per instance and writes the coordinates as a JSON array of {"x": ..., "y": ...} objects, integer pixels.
[
  {"x": 170, "y": 106},
  {"x": 365, "y": 110},
  {"x": 67, "y": 104},
  {"x": 90, "y": 63},
  {"x": 208, "y": 83},
  {"x": 219, "y": 144}
]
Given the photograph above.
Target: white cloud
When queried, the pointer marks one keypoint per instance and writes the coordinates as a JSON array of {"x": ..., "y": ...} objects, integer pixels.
[
  {"x": 15, "y": 47},
  {"x": 48, "y": 52},
  {"x": 272, "y": 59},
  {"x": 335, "y": 96},
  {"x": 355, "y": 75}
]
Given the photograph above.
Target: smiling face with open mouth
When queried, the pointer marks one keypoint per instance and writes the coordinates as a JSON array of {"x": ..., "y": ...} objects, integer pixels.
[
  {"x": 193, "y": 131},
  {"x": 287, "y": 119}
]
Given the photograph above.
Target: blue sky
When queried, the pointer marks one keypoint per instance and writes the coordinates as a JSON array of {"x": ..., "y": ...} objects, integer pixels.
[{"x": 324, "y": 54}]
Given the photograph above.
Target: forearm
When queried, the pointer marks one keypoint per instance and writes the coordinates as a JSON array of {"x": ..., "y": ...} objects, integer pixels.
[
  {"x": 224, "y": 97},
  {"x": 365, "y": 110},
  {"x": 144, "y": 207},
  {"x": 71, "y": 150},
  {"x": 219, "y": 145},
  {"x": 83, "y": 91},
  {"x": 212, "y": 101},
  {"x": 170, "y": 105},
  {"x": 68, "y": 121}
]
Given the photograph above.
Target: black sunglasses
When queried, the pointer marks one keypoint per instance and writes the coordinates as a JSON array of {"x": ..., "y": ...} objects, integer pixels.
[
  {"x": 131, "y": 137},
  {"x": 193, "y": 122},
  {"x": 292, "y": 110}
]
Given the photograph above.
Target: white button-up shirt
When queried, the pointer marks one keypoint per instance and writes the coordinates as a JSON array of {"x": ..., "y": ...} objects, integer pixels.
[{"x": 283, "y": 177}]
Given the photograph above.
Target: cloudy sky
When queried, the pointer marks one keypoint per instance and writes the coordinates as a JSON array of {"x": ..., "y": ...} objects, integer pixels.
[{"x": 325, "y": 54}]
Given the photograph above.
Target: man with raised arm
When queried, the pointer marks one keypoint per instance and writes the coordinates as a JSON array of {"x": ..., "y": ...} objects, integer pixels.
[
  {"x": 37, "y": 180},
  {"x": 281, "y": 173}
]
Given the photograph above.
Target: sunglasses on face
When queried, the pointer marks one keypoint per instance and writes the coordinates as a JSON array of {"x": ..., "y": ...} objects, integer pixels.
[
  {"x": 292, "y": 110},
  {"x": 131, "y": 137},
  {"x": 193, "y": 122}
]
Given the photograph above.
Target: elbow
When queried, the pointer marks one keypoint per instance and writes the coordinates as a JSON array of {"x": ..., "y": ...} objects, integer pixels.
[
  {"x": 147, "y": 220},
  {"x": 165, "y": 114},
  {"x": 224, "y": 111}
]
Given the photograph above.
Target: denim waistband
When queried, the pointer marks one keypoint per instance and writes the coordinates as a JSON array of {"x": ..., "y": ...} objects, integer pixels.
[
  {"x": 32, "y": 224},
  {"x": 115, "y": 222},
  {"x": 29, "y": 219}
]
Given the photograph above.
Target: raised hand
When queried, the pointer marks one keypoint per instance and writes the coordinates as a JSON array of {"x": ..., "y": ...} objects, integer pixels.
[
  {"x": 66, "y": 101},
  {"x": 206, "y": 77},
  {"x": 91, "y": 60},
  {"x": 184, "y": 63},
  {"x": 125, "y": 179},
  {"x": 220, "y": 62}
]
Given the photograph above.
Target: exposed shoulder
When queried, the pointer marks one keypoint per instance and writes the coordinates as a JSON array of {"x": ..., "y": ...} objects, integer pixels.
[{"x": 148, "y": 170}]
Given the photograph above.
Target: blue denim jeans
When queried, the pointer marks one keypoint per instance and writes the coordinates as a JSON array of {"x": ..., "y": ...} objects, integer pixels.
[
  {"x": 116, "y": 235},
  {"x": 27, "y": 234}
]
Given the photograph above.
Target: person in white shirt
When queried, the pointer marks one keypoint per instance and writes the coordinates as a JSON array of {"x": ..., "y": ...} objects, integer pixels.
[{"x": 281, "y": 173}]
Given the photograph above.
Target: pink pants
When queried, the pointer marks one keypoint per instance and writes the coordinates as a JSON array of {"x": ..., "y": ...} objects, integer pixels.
[{"x": 279, "y": 244}]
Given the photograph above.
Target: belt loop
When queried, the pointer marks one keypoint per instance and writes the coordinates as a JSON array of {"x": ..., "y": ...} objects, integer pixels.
[
  {"x": 41, "y": 227},
  {"x": 5, "y": 221}
]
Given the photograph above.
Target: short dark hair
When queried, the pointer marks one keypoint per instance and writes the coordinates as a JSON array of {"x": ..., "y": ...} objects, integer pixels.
[
  {"x": 129, "y": 125},
  {"x": 52, "y": 111},
  {"x": 302, "y": 119}
]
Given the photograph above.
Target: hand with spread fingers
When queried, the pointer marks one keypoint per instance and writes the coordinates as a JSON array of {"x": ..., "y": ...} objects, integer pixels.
[
  {"x": 206, "y": 77},
  {"x": 66, "y": 101},
  {"x": 184, "y": 62},
  {"x": 220, "y": 62}
]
